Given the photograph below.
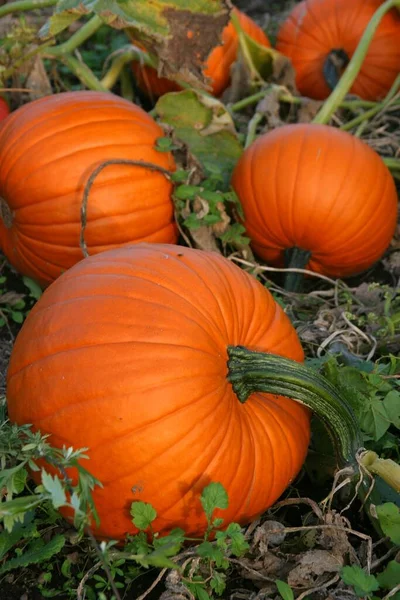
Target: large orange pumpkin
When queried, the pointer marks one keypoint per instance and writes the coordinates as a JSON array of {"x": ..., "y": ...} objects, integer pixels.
[
  {"x": 48, "y": 150},
  {"x": 321, "y": 33},
  {"x": 218, "y": 65},
  {"x": 126, "y": 354},
  {"x": 320, "y": 193}
]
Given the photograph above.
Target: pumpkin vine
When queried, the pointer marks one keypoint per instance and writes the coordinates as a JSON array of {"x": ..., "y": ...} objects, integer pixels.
[{"x": 91, "y": 180}]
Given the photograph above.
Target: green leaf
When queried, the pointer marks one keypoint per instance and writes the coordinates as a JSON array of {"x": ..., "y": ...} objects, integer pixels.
[
  {"x": 20, "y": 531},
  {"x": 165, "y": 144},
  {"x": 389, "y": 519},
  {"x": 214, "y": 496},
  {"x": 17, "y": 316},
  {"x": 199, "y": 592},
  {"x": 234, "y": 234},
  {"x": 179, "y": 175},
  {"x": 375, "y": 419},
  {"x": 362, "y": 583},
  {"x": 238, "y": 545},
  {"x": 13, "y": 511},
  {"x": 205, "y": 126},
  {"x": 18, "y": 304},
  {"x": 261, "y": 62},
  {"x": 172, "y": 543},
  {"x": 143, "y": 514},
  {"x": 186, "y": 192},
  {"x": 391, "y": 403},
  {"x": 161, "y": 26},
  {"x": 54, "y": 486},
  {"x": 192, "y": 222},
  {"x": 390, "y": 577},
  {"x": 284, "y": 589},
  {"x": 37, "y": 552},
  {"x": 157, "y": 558},
  {"x": 138, "y": 544},
  {"x": 13, "y": 479},
  {"x": 218, "y": 582},
  {"x": 210, "y": 551},
  {"x": 34, "y": 288}
]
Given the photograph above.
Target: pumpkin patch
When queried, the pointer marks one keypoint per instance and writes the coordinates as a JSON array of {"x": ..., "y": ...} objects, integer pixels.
[{"x": 199, "y": 307}]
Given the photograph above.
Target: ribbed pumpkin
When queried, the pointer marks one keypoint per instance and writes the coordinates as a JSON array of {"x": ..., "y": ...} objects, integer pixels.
[
  {"x": 126, "y": 354},
  {"x": 319, "y": 32},
  {"x": 219, "y": 61},
  {"x": 48, "y": 150},
  {"x": 4, "y": 108},
  {"x": 317, "y": 190}
]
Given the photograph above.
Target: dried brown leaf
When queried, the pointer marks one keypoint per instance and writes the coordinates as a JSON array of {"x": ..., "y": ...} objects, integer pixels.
[
  {"x": 308, "y": 110},
  {"x": 311, "y": 565},
  {"x": 270, "y": 107},
  {"x": 204, "y": 239},
  {"x": 284, "y": 73},
  {"x": 37, "y": 79},
  {"x": 269, "y": 533}
]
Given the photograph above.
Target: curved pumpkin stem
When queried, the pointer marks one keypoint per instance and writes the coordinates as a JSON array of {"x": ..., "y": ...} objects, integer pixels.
[
  {"x": 90, "y": 182},
  {"x": 251, "y": 372},
  {"x": 386, "y": 468}
]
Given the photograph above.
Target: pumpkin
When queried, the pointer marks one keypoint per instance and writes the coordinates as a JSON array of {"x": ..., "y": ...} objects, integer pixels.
[
  {"x": 126, "y": 355},
  {"x": 320, "y": 36},
  {"x": 4, "y": 108},
  {"x": 218, "y": 64},
  {"x": 318, "y": 195},
  {"x": 48, "y": 151}
]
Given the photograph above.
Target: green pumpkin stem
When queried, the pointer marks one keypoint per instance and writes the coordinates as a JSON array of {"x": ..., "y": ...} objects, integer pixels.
[
  {"x": 251, "y": 372},
  {"x": 295, "y": 258},
  {"x": 336, "y": 61}
]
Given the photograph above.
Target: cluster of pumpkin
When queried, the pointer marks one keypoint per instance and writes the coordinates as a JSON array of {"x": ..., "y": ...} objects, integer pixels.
[
  {"x": 134, "y": 341},
  {"x": 319, "y": 37}
]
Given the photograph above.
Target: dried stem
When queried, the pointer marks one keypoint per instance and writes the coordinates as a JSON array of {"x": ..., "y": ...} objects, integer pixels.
[
  {"x": 153, "y": 585},
  {"x": 319, "y": 588},
  {"x": 81, "y": 587},
  {"x": 90, "y": 181},
  {"x": 392, "y": 592}
]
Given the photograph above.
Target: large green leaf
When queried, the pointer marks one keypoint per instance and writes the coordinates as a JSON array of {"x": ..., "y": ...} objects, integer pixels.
[
  {"x": 38, "y": 551},
  {"x": 205, "y": 126},
  {"x": 180, "y": 34}
]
